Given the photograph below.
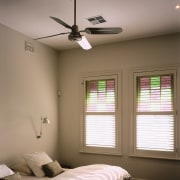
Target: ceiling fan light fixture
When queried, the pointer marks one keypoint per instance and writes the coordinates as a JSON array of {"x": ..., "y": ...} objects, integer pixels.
[{"x": 84, "y": 43}]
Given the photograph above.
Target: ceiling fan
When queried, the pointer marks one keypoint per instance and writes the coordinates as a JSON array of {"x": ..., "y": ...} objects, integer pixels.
[{"x": 75, "y": 35}]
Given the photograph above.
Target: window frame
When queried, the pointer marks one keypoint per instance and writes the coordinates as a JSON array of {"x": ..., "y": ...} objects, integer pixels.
[
  {"x": 151, "y": 153},
  {"x": 102, "y": 150}
]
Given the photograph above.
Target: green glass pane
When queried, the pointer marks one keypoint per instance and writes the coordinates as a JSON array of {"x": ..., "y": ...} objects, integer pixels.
[
  {"x": 102, "y": 86},
  {"x": 155, "y": 82}
]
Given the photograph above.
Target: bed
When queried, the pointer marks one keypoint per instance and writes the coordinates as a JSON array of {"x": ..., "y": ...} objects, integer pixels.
[
  {"x": 39, "y": 166},
  {"x": 89, "y": 172}
]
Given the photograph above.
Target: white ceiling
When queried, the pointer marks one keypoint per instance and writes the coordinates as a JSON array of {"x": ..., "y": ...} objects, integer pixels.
[{"x": 138, "y": 18}]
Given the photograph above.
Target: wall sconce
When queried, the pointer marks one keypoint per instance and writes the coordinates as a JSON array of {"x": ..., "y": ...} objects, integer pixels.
[{"x": 44, "y": 120}]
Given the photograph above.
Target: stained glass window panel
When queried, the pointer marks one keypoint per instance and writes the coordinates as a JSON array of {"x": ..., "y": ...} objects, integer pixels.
[
  {"x": 154, "y": 93},
  {"x": 100, "y": 95}
]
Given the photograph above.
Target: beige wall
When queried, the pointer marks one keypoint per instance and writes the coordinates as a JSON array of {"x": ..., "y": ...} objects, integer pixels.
[
  {"x": 123, "y": 56},
  {"x": 28, "y": 89}
]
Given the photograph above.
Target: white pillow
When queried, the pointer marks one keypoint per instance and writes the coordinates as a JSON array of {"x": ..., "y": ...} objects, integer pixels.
[
  {"x": 5, "y": 171},
  {"x": 21, "y": 166},
  {"x": 36, "y": 160}
]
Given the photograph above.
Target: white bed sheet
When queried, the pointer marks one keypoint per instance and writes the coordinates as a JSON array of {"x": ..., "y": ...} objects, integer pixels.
[{"x": 90, "y": 172}]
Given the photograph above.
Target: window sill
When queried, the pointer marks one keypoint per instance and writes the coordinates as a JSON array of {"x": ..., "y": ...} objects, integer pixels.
[
  {"x": 154, "y": 157},
  {"x": 101, "y": 153}
]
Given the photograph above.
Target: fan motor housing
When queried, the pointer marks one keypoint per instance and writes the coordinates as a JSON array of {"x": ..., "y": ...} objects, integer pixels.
[
  {"x": 75, "y": 37},
  {"x": 75, "y": 34}
]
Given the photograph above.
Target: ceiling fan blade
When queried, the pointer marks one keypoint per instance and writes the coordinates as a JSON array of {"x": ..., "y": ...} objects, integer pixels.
[
  {"x": 111, "y": 30},
  {"x": 51, "y": 35},
  {"x": 61, "y": 22}
]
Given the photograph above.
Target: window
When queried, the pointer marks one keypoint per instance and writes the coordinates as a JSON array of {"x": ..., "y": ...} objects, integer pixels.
[
  {"x": 100, "y": 118},
  {"x": 154, "y": 117}
]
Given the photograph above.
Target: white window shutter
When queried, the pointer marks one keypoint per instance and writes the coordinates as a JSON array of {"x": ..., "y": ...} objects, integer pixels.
[
  {"x": 100, "y": 122},
  {"x": 155, "y": 113}
]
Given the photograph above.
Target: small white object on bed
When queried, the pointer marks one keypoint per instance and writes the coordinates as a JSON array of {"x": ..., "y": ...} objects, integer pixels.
[
  {"x": 5, "y": 171},
  {"x": 89, "y": 172}
]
